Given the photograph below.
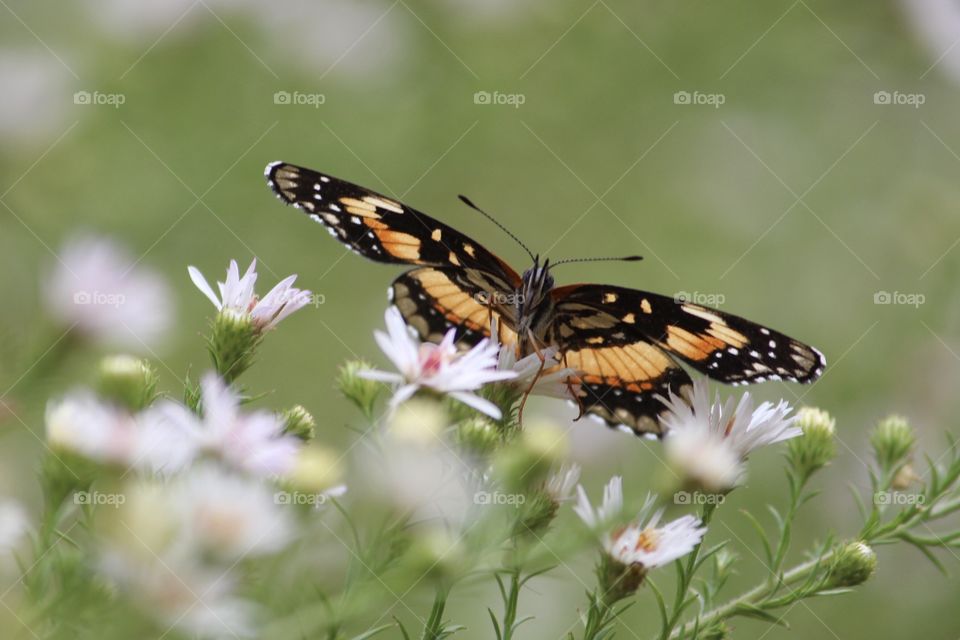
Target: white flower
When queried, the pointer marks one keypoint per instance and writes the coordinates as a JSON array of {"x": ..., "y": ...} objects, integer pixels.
[
  {"x": 561, "y": 484},
  {"x": 610, "y": 508},
  {"x": 83, "y": 424},
  {"x": 253, "y": 442},
  {"x": 552, "y": 379},
  {"x": 14, "y": 527},
  {"x": 237, "y": 294},
  {"x": 98, "y": 289},
  {"x": 643, "y": 543},
  {"x": 228, "y": 515},
  {"x": 437, "y": 366},
  {"x": 709, "y": 443}
]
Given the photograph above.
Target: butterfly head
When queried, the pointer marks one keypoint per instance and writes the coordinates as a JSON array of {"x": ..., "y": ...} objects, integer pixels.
[{"x": 534, "y": 304}]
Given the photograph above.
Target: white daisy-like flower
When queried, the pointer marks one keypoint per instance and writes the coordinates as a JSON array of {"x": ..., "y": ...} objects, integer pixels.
[
  {"x": 641, "y": 543},
  {"x": 709, "y": 442},
  {"x": 609, "y": 509},
  {"x": 237, "y": 294},
  {"x": 253, "y": 442},
  {"x": 439, "y": 367},
  {"x": 98, "y": 290},
  {"x": 14, "y": 527},
  {"x": 644, "y": 543},
  {"x": 561, "y": 484},
  {"x": 552, "y": 379}
]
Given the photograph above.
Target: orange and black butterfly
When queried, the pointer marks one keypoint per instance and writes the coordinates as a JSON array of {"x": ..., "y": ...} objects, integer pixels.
[{"x": 623, "y": 343}]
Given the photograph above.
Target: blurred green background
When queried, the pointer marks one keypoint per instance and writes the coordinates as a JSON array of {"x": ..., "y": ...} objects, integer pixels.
[{"x": 795, "y": 201}]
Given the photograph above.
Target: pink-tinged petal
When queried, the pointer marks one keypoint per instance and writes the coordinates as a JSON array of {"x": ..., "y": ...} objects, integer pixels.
[
  {"x": 201, "y": 283},
  {"x": 219, "y": 404},
  {"x": 480, "y": 404},
  {"x": 402, "y": 394},
  {"x": 380, "y": 376}
]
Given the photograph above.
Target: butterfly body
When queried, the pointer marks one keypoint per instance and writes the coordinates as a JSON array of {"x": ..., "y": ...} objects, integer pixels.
[{"x": 622, "y": 343}]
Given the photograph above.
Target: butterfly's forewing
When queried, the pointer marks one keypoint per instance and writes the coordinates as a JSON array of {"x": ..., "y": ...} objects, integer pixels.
[
  {"x": 378, "y": 227},
  {"x": 722, "y": 346}
]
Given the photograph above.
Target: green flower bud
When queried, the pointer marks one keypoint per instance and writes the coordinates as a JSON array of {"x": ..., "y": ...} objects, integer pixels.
[
  {"x": 478, "y": 435},
  {"x": 437, "y": 555},
  {"x": 618, "y": 580},
  {"x": 536, "y": 514},
  {"x": 128, "y": 381},
  {"x": 315, "y": 470},
  {"x": 527, "y": 461},
  {"x": 853, "y": 563},
  {"x": 892, "y": 441},
  {"x": 297, "y": 421},
  {"x": 817, "y": 446},
  {"x": 360, "y": 391},
  {"x": 232, "y": 343}
]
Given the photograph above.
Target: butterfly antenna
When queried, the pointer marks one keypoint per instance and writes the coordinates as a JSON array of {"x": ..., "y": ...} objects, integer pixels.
[
  {"x": 489, "y": 217},
  {"x": 620, "y": 259}
]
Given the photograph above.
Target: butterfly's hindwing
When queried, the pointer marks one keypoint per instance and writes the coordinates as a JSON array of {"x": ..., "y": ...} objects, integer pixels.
[
  {"x": 722, "y": 346},
  {"x": 433, "y": 301}
]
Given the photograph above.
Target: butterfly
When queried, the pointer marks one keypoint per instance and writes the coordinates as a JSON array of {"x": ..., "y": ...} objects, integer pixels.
[{"x": 623, "y": 344}]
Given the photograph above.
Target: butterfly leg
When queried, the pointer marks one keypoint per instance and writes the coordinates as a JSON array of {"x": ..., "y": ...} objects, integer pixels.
[
  {"x": 573, "y": 394},
  {"x": 533, "y": 382}
]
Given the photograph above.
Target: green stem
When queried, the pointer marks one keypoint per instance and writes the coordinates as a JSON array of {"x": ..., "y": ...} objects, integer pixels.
[
  {"x": 686, "y": 576},
  {"x": 597, "y": 617},
  {"x": 434, "y": 628},
  {"x": 510, "y": 604},
  {"x": 754, "y": 596}
]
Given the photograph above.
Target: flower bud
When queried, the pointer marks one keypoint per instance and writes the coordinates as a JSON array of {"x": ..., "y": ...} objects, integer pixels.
[
  {"x": 360, "y": 391},
  {"x": 853, "y": 564},
  {"x": 817, "y": 446},
  {"x": 315, "y": 469},
  {"x": 478, "y": 435},
  {"x": 892, "y": 441},
  {"x": 418, "y": 421},
  {"x": 436, "y": 555},
  {"x": 904, "y": 478},
  {"x": 528, "y": 460},
  {"x": 297, "y": 421},
  {"x": 618, "y": 580},
  {"x": 232, "y": 343},
  {"x": 127, "y": 381}
]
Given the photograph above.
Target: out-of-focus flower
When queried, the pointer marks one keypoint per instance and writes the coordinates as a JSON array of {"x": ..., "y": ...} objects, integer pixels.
[
  {"x": 937, "y": 23},
  {"x": 527, "y": 461},
  {"x": 418, "y": 421},
  {"x": 229, "y": 515},
  {"x": 439, "y": 367},
  {"x": 36, "y": 94},
  {"x": 707, "y": 443},
  {"x": 552, "y": 379},
  {"x": 127, "y": 380},
  {"x": 237, "y": 294},
  {"x": 97, "y": 289},
  {"x": 561, "y": 484},
  {"x": 316, "y": 469},
  {"x": 14, "y": 526},
  {"x": 254, "y": 442}
]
